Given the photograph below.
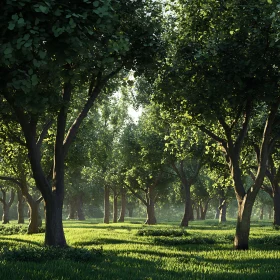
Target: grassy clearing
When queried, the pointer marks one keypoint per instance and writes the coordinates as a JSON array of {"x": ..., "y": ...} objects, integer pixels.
[{"x": 133, "y": 251}]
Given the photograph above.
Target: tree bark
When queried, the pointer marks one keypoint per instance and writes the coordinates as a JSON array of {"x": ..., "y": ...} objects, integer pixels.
[
  {"x": 72, "y": 209},
  {"x": 80, "y": 211},
  {"x": 188, "y": 205},
  {"x": 20, "y": 207},
  {"x": 123, "y": 206},
  {"x": 115, "y": 206},
  {"x": 261, "y": 212},
  {"x": 241, "y": 240},
  {"x": 217, "y": 214},
  {"x": 276, "y": 207},
  {"x": 151, "y": 217},
  {"x": 7, "y": 206},
  {"x": 270, "y": 213},
  {"x": 222, "y": 211},
  {"x": 204, "y": 209},
  {"x": 35, "y": 220},
  {"x": 54, "y": 235},
  {"x": 106, "y": 218}
]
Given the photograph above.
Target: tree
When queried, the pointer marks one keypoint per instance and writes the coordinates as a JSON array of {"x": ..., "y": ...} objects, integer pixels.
[
  {"x": 49, "y": 54},
  {"x": 221, "y": 74},
  {"x": 6, "y": 203},
  {"x": 145, "y": 168}
]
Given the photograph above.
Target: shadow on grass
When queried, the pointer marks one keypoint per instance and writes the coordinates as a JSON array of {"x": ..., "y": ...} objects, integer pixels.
[
  {"x": 103, "y": 241},
  {"x": 129, "y": 267},
  {"x": 9, "y": 240}
]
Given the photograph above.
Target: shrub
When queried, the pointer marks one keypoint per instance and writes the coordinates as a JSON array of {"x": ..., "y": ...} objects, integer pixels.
[{"x": 15, "y": 229}]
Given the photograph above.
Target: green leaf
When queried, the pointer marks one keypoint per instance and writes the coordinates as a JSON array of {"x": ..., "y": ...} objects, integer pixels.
[
  {"x": 57, "y": 12},
  {"x": 15, "y": 17},
  {"x": 44, "y": 9},
  {"x": 26, "y": 37},
  {"x": 11, "y": 26},
  {"x": 34, "y": 80},
  {"x": 269, "y": 1},
  {"x": 42, "y": 54},
  {"x": 8, "y": 50},
  {"x": 21, "y": 21},
  {"x": 72, "y": 23},
  {"x": 28, "y": 44},
  {"x": 95, "y": 4}
]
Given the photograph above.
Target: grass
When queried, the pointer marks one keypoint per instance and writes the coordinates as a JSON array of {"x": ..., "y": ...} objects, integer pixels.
[{"x": 132, "y": 250}]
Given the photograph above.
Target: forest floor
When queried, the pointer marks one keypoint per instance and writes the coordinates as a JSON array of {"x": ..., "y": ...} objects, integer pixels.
[{"x": 132, "y": 250}]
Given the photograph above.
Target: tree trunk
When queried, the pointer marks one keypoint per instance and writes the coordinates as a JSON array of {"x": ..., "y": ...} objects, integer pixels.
[
  {"x": 106, "y": 219},
  {"x": 123, "y": 206},
  {"x": 20, "y": 207},
  {"x": 245, "y": 206},
  {"x": 7, "y": 206},
  {"x": 276, "y": 206},
  {"x": 270, "y": 213},
  {"x": 35, "y": 220},
  {"x": 115, "y": 207},
  {"x": 191, "y": 218},
  {"x": 261, "y": 212},
  {"x": 151, "y": 217},
  {"x": 54, "y": 235},
  {"x": 6, "y": 213},
  {"x": 197, "y": 209},
  {"x": 130, "y": 209},
  {"x": 188, "y": 206},
  {"x": 217, "y": 214},
  {"x": 72, "y": 209},
  {"x": 204, "y": 210},
  {"x": 80, "y": 212},
  {"x": 222, "y": 211}
]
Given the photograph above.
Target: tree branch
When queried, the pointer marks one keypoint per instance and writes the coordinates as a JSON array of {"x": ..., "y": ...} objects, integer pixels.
[
  {"x": 43, "y": 134},
  {"x": 137, "y": 195},
  {"x": 14, "y": 180},
  {"x": 213, "y": 135},
  {"x": 72, "y": 132},
  {"x": 245, "y": 126}
]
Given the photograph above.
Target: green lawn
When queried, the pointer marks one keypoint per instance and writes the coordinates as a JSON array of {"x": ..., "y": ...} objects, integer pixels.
[{"x": 133, "y": 251}]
